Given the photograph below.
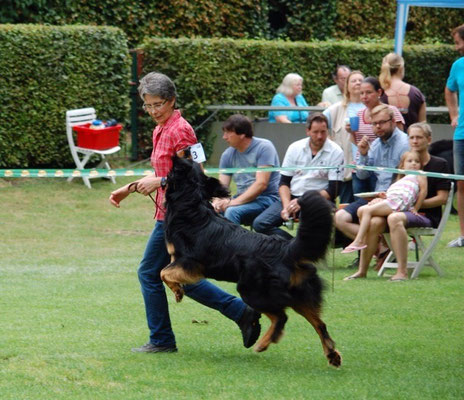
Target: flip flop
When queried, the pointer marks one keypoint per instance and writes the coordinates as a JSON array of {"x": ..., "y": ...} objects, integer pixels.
[
  {"x": 351, "y": 277},
  {"x": 351, "y": 249},
  {"x": 397, "y": 279}
]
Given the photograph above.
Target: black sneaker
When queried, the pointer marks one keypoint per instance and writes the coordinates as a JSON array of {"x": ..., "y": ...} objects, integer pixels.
[
  {"x": 249, "y": 326},
  {"x": 151, "y": 348}
]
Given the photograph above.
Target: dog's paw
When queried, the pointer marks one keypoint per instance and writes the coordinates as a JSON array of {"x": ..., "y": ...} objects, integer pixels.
[
  {"x": 260, "y": 347},
  {"x": 179, "y": 295},
  {"x": 335, "y": 359}
]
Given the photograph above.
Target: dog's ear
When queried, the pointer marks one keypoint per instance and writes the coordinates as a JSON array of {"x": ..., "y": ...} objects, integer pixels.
[
  {"x": 184, "y": 153},
  {"x": 214, "y": 188}
]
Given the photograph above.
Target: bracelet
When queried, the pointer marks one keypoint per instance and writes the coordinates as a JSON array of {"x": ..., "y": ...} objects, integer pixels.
[{"x": 163, "y": 182}]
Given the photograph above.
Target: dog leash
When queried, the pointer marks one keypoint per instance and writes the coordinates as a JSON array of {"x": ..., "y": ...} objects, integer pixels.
[{"x": 135, "y": 184}]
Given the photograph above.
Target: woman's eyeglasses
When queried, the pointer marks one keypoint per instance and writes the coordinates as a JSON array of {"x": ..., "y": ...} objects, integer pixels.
[{"x": 153, "y": 107}]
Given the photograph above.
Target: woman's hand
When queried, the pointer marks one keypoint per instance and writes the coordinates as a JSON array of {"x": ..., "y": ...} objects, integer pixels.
[
  {"x": 119, "y": 195},
  {"x": 148, "y": 184},
  {"x": 348, "y": 128}
]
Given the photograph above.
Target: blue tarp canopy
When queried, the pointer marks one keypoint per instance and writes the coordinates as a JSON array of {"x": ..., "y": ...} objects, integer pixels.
[{"x": 402, "y": 10}]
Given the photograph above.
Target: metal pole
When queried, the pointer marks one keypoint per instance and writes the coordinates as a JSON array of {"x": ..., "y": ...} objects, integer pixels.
[{"x": 134, "y": 112}]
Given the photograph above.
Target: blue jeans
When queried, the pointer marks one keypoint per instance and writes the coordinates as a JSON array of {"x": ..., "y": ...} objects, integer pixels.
[
  {"x": 154, "y": 260},
  {"x": 246, "y": 213},
  {"x": 269, "y": 220}
]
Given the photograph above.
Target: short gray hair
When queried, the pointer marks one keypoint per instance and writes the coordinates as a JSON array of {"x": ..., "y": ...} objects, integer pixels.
[
  {"x": 286, "y": 87},
  {"x": 157, "y": 84}
]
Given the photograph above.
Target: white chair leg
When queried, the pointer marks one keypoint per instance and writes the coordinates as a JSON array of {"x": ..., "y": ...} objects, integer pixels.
[
  {"x": 388, "y": 262},
  {"x": 426, "y": 258},
  {"x": 87, "y": 181},
  {"x": 80, "y": 164},
  {"x": 105, "y": 163}
]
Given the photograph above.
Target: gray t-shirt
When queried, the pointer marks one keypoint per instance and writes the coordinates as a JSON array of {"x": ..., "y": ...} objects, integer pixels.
[{"x": 260, "y": 152}]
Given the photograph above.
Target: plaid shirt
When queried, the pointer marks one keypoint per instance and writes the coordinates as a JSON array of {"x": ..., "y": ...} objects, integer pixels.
[{"x": 176, "y": 134}]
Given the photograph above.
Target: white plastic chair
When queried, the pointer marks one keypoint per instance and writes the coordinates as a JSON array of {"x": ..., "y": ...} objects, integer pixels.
[
  {"x": 79, "y": 117},
  {"x": 423, "y": 251}
]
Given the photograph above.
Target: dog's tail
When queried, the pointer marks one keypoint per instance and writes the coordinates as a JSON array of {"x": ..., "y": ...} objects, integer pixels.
[{"x": 315, "y": 229}]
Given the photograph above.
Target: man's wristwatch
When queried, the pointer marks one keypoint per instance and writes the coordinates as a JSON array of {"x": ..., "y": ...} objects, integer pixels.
[{"x": 163, "y": 182}]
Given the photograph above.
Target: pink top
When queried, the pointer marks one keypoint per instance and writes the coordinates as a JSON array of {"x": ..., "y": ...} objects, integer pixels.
[{"x": 402, "y": 195}]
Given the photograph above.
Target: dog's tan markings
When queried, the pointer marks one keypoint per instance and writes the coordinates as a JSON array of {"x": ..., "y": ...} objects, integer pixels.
[
  {"x": 266, "y": 340},
  {"x": 298, "y": 276},
  {"x": 175, "y": 276},
  {"x": 171, "y": 251},
  {"x": 328, "y": 345}
]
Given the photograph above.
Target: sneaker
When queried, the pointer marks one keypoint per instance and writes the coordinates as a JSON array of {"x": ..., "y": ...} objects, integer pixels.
[
  {"x": 459, "y": 242},
  {"x": 151, "y": 348},
  {"x": 249, "y": 326},
  {"x": 412, "y": 245}
]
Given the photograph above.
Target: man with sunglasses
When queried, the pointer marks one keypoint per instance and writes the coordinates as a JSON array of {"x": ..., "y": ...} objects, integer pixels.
[{"x": 385, "y": 151}]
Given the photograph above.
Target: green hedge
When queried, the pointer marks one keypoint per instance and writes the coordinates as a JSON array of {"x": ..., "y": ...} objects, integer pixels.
[
  {"x": 174, "y": 18},
  {"x": 47, "y": 70},
  {"x": 368, "y": 19},
  {"x": 294, "y": 20},
  {"x": 245, "y": 72}
]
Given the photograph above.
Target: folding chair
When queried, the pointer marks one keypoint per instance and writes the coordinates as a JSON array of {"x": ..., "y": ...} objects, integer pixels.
[
  {"x": 79, "y": 117},
  {"x": 423, "y": 252}
]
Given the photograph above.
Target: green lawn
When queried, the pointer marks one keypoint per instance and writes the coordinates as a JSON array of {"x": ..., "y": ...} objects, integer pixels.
[{"x": 71, "y": 309}]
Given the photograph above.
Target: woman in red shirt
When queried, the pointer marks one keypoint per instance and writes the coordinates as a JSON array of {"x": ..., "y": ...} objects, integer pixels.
[{"x": 172, "y": 134}]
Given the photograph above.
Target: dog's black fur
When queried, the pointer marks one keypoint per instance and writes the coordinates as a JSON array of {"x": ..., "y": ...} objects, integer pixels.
[{"x": 271, "y": 273}]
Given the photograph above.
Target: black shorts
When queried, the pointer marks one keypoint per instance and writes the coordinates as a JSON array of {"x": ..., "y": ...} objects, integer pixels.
[{"x": 352, "y": 209}]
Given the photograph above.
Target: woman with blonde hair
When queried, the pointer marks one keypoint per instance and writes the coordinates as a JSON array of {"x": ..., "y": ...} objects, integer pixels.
[
  {"x": 336, "y": 115},
  {"x": 289, "y": 94},
  {"x": 400, "y": 94}
]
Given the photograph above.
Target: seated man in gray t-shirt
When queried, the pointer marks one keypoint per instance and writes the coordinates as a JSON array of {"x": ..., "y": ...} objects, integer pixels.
[{"x": 256, "y": 190}]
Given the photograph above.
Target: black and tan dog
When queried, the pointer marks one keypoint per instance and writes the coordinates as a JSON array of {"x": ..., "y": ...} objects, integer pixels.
[{"x": 271, "y": 273}]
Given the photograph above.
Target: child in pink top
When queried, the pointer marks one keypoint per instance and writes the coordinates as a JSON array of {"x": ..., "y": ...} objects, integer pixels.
[{"x": 406, "y": 194}]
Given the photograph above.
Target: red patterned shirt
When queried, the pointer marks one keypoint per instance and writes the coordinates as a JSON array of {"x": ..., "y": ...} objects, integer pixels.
[{"x": 176, "y": 134}]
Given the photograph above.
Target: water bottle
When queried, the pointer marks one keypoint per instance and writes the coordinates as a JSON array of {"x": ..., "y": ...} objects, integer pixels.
[{"x": 97, "y": 124}]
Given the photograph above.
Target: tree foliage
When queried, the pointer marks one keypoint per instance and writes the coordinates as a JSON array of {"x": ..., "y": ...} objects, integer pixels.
[{"x": 240, "y": 19}]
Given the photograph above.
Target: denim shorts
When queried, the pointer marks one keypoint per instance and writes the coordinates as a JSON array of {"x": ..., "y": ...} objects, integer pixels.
[{"x": 458, "y": 155}]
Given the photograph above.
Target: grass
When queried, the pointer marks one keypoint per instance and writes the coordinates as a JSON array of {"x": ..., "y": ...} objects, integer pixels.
[{"x": 71, "y": 309}]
